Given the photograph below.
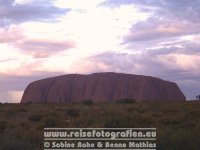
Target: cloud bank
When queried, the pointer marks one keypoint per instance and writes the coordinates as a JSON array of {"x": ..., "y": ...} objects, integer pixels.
[
  {"x": 43, "y": 38},
  {"x": 13, "y": 12}
]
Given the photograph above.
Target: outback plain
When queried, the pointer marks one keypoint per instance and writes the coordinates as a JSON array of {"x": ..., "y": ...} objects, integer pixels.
[{"x": 177, "y": 123}]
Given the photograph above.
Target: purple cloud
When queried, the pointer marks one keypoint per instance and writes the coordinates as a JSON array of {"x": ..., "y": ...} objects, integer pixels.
[
  {"x": 162, "y": 62},
  {"x": 43, "y": 48},
  {"x": 34, "y": 11},
  {"x": 37, "y": 47}
]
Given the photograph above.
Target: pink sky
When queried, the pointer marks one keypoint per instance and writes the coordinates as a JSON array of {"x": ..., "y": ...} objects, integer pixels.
[{"x": 44, "y": 38}]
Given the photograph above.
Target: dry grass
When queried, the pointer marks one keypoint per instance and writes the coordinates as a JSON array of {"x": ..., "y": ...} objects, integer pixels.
[{"x": 177, "y": 123}]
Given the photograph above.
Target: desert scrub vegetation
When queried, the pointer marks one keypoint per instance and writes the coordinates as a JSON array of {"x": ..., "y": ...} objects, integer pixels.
[
  {"x": 35, "y": 117},
  {"x": 177, "y": 123},
  {"x": 125, "y": 101}
]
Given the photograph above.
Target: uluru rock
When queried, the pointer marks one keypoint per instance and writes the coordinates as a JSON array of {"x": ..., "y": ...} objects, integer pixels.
[{"x": 101, "y": 87}]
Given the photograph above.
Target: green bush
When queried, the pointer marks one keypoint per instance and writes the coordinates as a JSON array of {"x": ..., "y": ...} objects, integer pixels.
[
  {"x": 50, "y": 122},
  {"x": 72, "y": 113},
  {"x": 24, "y": 125},
  {"x": 35, "y": 118},
  {"x": 53, "y": 119},
  {"x": 125, "y": 101},
  {"x": 2, "y": 126},
  {"x": 87, "y": 102}
]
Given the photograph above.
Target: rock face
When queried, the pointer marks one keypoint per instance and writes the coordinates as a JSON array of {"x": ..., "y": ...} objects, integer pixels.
[{"x": 101, "y": 87}]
